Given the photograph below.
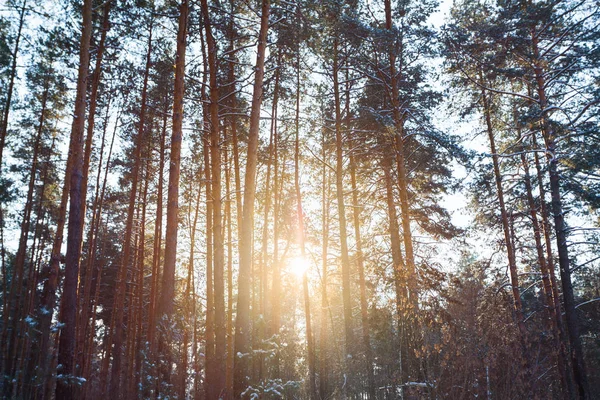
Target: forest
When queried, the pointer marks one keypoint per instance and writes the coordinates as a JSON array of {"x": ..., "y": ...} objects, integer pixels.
[{"x": 300, "y": 199}]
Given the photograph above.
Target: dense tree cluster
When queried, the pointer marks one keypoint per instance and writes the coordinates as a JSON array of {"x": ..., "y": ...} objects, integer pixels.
[{"x": 260, "y": 200}]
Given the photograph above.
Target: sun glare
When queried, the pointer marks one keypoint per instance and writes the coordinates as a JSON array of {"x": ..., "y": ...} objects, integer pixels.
[{"x": 298, "y": 266}]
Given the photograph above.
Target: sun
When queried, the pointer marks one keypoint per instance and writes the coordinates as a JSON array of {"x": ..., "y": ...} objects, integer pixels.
[{"x": 298, "y": 266}]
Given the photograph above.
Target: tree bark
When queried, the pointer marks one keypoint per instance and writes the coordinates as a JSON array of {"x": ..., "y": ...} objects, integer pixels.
[
  {"x": 65, "y": 388},
  {"x": 364, "y": 312},
  {"x": 18, "y": 299},
  {"x": 323, "y": 334},
  {"x": 229, "y": 360},
  {"x": 157, "y": 246},
  {"x": 242, "y": 325},
  {"x": 300, "y": 219},
  {"x": 167, "y": 295},
  {"x": 189, "y": 293},
  {"x": 553, "y": 318},
  {"x": 87, "y": 359},
  {"x": 577, "y": 359},
  {"x": 401, "y": 166},
  {"x": 275, "y": 323},
  {"x": 85, "y": 278},
  {"x": 115, "y": 335},
  {"x": 217, "y": 385},
  {"x": 210, "y": 311},
  {"x": 339, "y": 185},
  {"x": 399, "y": 267},
  {"x": 136, "y": 358},
  {"x": 512, "y": 263}
]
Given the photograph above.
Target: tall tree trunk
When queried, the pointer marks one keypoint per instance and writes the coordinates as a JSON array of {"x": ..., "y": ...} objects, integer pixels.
[
  {"x": 115, "y": 336},
  {"x": 87, "y": 360},
  {"x": 339, "y": 185},
  {"x": 37, "y": 257},
  {"x": 65, "y": 388},
  {"x": 361, "y": 277},
  {"x": 562, "y": 361},
  {"x": 48, "y": 299},
  {"x": 300, "y": 218},
  {"x": 229, "y": 361},
  {"x": 547, "y": 228},
  {"x": 136, "y": 358},
  {"x": 242, "y": 323},
  {"x": 399, "y": 267},
  {"x": 157, "y": 246},
  {"x": 275, "y": 303},
  {"x": 577, "y": 359},
  {"x": 263, "y": 255},
  {"x": 127, "y": 377},
  {"x": 323, "y": 334},
  {"x": 83, "y": 327},
  {"x": 401, "y": 165},
  {"x": 510, "y": 250},
  {"x": 42, "y": 213},
  {"x": 259, "y": 329},
  {"x": 217, "y": 386},
  {"x": 210, "y": 310},
  {"x": 409, "y": 329},
  {"x": 238, "y": 199},
  {"x": 167, "y": 295},
  {"x": 86, "y": 273},
  {"x": 512, "y": 263},
  {"x": 18, "y": 299},
  {"x": 189, "y": 293}
]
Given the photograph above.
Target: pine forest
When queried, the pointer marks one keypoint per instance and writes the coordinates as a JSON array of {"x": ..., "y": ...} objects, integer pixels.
[{"x": 300, "y": 199}]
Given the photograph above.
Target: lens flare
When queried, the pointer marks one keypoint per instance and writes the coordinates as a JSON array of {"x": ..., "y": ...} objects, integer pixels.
[{"x": 298, "y": 266}]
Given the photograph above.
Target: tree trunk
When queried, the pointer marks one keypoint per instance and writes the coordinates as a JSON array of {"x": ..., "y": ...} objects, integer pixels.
[
  {"x": 157, "y": 246},
  {"x": 323, "y": 335},
  {"x": 127, "y": 376},
  {"x": 512, "y": 263},
  {"x": 87, "y": 360},
  {"x": 361, "y": 277},
  {"x": 83, "y": 326},
  {"x": 577, "y": 359},
  {"x": 167, "y": 295},
  {"x": 229, "y": 361},
  {"x": 136, "y": 378},
  {"x": 210, "y": 311},
  {"x": 275, "y": 292},
  {"x": 559, "y": 351},
  {"x": 399, "y": 267},
  {"x": 300, "y": 217},
  {"x": 86, "y": 272},
  {"x": 65, "y": 388},
  {"x": 217, "y": 385},
  {"x": 242, "y": 323},
  {"x": 401, "y": 166},
  {"x": 16, "y": 302},
  {"x": 35, "y": 359},
  {"x": 115, "y": 335},
  {"x": 544, "y": 213},
  {"x": 339, "y": 185},
  {"x": 238, "y": 199},
  {"x": 189, "y": 294}
]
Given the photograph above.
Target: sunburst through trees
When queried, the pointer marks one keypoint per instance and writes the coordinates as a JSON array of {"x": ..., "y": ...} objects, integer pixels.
[{"x": 358, "y": 199}]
